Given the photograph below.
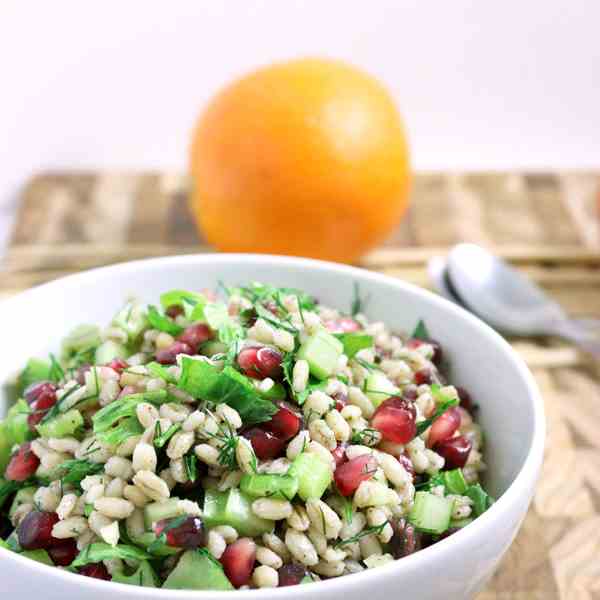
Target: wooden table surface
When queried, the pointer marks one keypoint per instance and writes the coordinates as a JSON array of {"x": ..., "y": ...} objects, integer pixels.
[{"x": 547, "y": 224}]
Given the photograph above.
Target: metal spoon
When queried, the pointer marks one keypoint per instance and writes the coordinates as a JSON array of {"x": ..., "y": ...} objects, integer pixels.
[{"x": 505, "y": 298}]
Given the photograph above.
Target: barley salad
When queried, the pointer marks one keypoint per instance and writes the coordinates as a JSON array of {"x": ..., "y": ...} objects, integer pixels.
[{"x": 257, "y": 440}]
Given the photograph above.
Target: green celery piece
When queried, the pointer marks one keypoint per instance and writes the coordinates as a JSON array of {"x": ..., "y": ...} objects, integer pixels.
[
  {"x": 262, "y": 485},
  {"x": 40, "y": 556},
  {"x": 124, "y": 407},
  {"x": 202, "y": 380},
  {"x": 197, "y": 570},
  {"x": 162, "y": 322},
  {"x": 143, "y": 576},
  {"x": 100, "y": 551},
  {"x": 354, "y": 342},
  {"x": 216, "y": 315},
  {"x": 35, "y": 370},
  {"x": 63, "y": 425},
  {"x": 314, "y": 476},
  {"x": 16, "y": 422}
]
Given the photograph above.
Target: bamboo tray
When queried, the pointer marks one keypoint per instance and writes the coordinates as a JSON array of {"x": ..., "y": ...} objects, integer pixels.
[{"x": 545, "y": 223}]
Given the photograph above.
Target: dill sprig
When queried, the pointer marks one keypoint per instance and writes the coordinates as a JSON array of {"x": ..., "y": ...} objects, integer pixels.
[
  {"x": 229, "y": 441},
  {"x": 376, "y": 530}
]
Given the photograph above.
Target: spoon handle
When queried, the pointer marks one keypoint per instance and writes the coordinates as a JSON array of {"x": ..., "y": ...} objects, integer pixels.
[{"x": 578, "y": 333}]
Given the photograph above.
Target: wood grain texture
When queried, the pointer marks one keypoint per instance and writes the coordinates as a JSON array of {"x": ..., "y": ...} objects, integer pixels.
[{"x": 546, "y": 224}]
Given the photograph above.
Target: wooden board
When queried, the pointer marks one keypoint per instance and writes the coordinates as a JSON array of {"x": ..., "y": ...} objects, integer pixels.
[{"x": 547, "y": 224}]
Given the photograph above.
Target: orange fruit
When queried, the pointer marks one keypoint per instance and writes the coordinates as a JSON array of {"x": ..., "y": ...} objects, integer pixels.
[{"x": 305, "y": 158}]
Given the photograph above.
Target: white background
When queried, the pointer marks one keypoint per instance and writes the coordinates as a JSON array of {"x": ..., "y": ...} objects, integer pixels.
[{"x": 118, "y": 84}]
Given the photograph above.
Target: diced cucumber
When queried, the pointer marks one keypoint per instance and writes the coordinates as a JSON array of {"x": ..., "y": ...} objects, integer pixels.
[
  {"x": 110, "y": 350},
  {"x": 62, "y": 425},
  {"x": 378, "y": 387},
  {"x": 196, "y": 570},
  {"x": 454, "y": 482},
  {"x": 321, "y": 351},
  {"x": 147, "y": 539},
  {"x": 40, "y": 556},
  {"x": 258, "y": 485},
  {"x": 83, "y": 337},
  {"x": 460, "y": 523},
  {"x": 132, "y": 320},
  {"x": 23, "y": 496},
  {"x": 234, "y": 508},
  {"x": 144, "y": 575},
  {"x": 430, "y": 513},
  {"x": 314, "y": 476},
  {"x": 16, "y": 422},
  {"x": 274, "y": 393},
  {"x": 157, "y": 511}
]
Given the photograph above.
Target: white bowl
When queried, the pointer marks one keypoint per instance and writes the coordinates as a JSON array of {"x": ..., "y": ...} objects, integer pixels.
[{"x": 33, "y": 323}]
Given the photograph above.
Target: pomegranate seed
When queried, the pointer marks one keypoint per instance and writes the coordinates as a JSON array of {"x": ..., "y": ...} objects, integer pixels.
[
  {"x": 341, "y": 400},
  {"x": 444, "y": 426},
  {"x": 291, "y": 574},
  {"x": 259, "y": 363},
  {"x": 455, "y": 451},
  {"x": 189, "y": 534},
  {"x": 39, "y": 408},
  {"x": 238, "y": 561},
  {"x": 266, "y": 445},
  {"x": 407, "y": 464},
  {"x": 342, "y": 325},
  {"x": 405, "y": 540},
  {"x": 339, "y": 454},
  {"x": 95, "y": 570},
  {"x": 35, "y": 530},
  {"x": 349, "y": 475},
  {"x": 285, "y": 423},
  {"x": 465, "y": 399},
  {"x": 118, "y": 365},
  {"x": 424, "y": 376},
  {"x": 38, "y": 390},
  {"x": 395, "y": 419},
  {"x": 168, "y": 356},
  {"x": 195, "y": 335},
  {"x": 23, "y": 464},
  {"x": 63, "y": 553},
  {"x": 174, "y": 311}
]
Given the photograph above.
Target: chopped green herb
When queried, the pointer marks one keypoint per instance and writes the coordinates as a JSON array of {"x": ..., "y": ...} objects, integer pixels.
[
  {"x": 376, "y": 530},
  {"x": 74, "y": 471},
  {"x": 8, "y": 488},
  {"x": 99, "y": 551},
  {"x": 354, "y": 342},
  {"x": 203, "y": 380},
  {"x": 162, "y": 437},
  {"x": 162, "y": 322},
  {"x": 481, "y": 499},
  {"x": 358, "y": 303},
  {"x": 420, "y": 332},
  {"x": 56, "y": 372},
  {"x": 191, "y": 466}
]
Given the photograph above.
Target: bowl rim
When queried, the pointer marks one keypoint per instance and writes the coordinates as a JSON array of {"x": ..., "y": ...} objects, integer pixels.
[{"x": 511, "y": 498}]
